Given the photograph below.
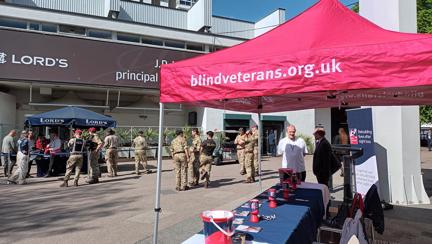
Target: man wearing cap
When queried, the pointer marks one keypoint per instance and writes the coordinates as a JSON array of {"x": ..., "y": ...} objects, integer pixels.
[
  {"x": 140, "y": 145},
  {"x": 206, "y": 158},
  {"x": 322, "y": 157},
  {"x": 293, "y": 150},
  {"x": 240, "y": 142},
  {"x": 111, "y": 144},
  {"x": 76, "y": 146},
  {"x": 22, "y": 160},
  {"x": 180, "y": 155},
  {"x": 194, "y": 161},
  {"x": 249, "y": 157},
  {"x": 95, "y": 146},
  {"x": 255, "y": 137}
]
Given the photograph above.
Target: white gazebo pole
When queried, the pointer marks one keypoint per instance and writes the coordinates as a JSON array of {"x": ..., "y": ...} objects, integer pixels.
[
  {"x": 259, "y": 150},
  {"x": 259, "y": 142},
  {"x": 157, "y": 208}
]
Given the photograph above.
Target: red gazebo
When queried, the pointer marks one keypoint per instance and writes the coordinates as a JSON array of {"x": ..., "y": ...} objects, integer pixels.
[{"x": 328, "y": 56}]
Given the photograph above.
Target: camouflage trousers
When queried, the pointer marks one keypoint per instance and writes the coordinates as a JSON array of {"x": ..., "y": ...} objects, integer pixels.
[
  {"x": 140, "y": 158},
  {"x": 180, "y": 168},
  {"x": 241, "y": 159},
  {"x": 255, "y": 160},
  {"x": 94, "y": 164},
  {"x": 193, "y": 168},
  {"x": 250, "y": 169},
  {"x": 111, "y": 161},
  {"x": 74, "y": 161},
  {"x": 205, "y": 165}
]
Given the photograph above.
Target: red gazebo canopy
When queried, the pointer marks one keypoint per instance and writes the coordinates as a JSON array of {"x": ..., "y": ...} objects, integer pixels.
[{"x": 328, "y": 56}]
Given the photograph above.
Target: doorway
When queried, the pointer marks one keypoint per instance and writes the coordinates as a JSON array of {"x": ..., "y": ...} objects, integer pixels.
[
  {"x": 278, "y": 129},
  {"x": 338, "y": 120}
]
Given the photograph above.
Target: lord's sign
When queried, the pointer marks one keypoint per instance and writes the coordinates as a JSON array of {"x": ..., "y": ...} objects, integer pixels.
[{"x": 42, "y": 57}]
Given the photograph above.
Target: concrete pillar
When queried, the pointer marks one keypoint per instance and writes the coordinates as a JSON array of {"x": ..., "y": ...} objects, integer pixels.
[
  {"x": 396, "y": 129},
  {"x": 8, "y": 112}
]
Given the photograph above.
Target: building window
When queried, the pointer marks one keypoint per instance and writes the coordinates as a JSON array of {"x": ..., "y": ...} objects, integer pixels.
[
  {"x": 70, "y": 29},
  {"x": 33, "y": 26},
  {"x": 176, "y": 44},
  {"x": 99, "y": 34},
  {"x": 216, "y": 48},
  {"x": 128, "y": 37},
  {"x": 48, "y": 27},
  {"x": 188, "y": 2},
  {"x": 13, "y": 23},
  {"x": 195, "y": 46},
  {"x": 152, "y": 41}
]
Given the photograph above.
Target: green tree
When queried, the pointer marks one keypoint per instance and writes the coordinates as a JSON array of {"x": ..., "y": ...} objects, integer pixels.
[
  {"x": 355, "y": 8},
  {"x": 424, "y": 16},
  {"x": 425, "y": 114}
]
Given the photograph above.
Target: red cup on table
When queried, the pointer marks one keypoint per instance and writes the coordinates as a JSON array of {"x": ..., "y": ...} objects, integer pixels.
[
  {"x": 272, "y": 198},
  {"x": 254, "y": 204}
]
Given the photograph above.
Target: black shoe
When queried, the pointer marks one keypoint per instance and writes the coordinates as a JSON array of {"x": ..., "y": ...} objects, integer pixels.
[
  {"x": 75, "y": 182},
  {"x": 204, "y": 176},
  {"x": 93, "y": 180},
  {"x": 242, "y": 172}
]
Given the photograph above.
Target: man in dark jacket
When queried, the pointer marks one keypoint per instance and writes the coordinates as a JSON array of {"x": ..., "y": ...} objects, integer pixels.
[{"x": 322, "y": 157}]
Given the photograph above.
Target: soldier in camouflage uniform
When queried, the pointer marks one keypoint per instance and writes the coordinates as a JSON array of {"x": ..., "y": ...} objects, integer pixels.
[
  {"x": 206, "y": 158},
  {"x": 249, "y": 156},
  {"x": 95, "y": 146},
  {"x": 111, "y": 143},
  {"x": 194, "y": 160},
  {"x": 75, "y": 160},
  {"x": 255, "y": 137},
  {"x": 180, "y": 155},
  {"x": 239, "y": 141},
  {"x": 140, "y": 145}
]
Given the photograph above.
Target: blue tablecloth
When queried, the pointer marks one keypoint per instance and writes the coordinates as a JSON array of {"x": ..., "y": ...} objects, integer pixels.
[{"x": 297, "y": 218}]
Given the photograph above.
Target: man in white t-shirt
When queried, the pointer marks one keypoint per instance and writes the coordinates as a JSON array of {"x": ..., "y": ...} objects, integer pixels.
[{"x": 293, "y": 150}]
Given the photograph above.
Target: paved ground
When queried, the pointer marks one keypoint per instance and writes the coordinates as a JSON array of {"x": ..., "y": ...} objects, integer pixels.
[{"x": 121, "y": 210}]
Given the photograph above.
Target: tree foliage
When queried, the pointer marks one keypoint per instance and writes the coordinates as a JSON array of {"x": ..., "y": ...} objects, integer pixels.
[
  {"x": 355, "y": 8},
  {"x": 424, "y": 16},
  {"x": 426, "y": 114}
]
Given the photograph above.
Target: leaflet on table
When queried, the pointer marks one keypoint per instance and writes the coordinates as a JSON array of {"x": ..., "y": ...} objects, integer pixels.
[
  {"x": 247, "y": 205},
  {"x": 251, "y": 229},
  {"x": 241, "y": 213},
  {"x": 238, "y": 221}
]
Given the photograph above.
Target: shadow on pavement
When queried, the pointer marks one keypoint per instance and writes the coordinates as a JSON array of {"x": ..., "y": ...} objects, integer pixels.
[
  {"x": 48, "y": 211},
  {"x": 427, "y": 181}
]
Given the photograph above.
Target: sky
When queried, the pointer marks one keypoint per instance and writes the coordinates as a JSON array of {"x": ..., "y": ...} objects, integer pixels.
[{"x": 254, "y": 10}]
